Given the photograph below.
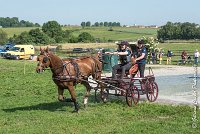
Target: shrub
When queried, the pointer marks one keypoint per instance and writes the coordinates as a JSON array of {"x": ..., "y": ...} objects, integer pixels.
[{"x": 85, "y": 37}]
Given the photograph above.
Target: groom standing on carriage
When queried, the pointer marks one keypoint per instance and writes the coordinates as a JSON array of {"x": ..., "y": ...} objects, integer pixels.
[{"x": 140, "y": 55}]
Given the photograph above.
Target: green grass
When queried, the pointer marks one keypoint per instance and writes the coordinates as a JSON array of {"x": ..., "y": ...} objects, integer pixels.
[
  {"x": 118, "y": 33},
  {"x": 28, "y": 104},
  {"x": 16, "y": 31}
]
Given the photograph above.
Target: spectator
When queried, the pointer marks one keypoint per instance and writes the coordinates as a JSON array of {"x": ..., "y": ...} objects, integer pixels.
[
  {"x": 189, "y": 59},
  {"x": 160, "y": 54},
  {"x": 196, "y": 56},
  {"x": 184, "y": 56},
  {"x": 153, "y": 57},
  {"x": 169, "y": 56}
]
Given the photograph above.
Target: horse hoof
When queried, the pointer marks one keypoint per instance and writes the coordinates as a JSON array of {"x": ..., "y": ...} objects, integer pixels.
[
  {"x": 75, "y": 111},
  {"x": 68, "y": 100}
]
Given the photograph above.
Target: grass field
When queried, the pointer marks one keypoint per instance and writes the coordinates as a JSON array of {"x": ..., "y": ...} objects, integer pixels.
[
  {"x": 118, "y": 33},
  {"x": 16, "y": 31},
  {"x": 28, "y": 105}
]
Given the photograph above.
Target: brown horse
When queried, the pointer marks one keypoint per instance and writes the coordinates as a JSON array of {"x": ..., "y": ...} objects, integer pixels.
[{"x": 69, "y": 72}]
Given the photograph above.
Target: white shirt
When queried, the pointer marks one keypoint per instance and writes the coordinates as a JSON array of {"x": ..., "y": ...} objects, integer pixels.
[{"x": 196, "y": 54}]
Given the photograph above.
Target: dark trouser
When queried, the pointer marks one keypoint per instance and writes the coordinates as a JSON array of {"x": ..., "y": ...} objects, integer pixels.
[
  {"x": 141, "y": 68},
  {"x": 122, "y": 67},
  {"x": 196, "y": 60}
]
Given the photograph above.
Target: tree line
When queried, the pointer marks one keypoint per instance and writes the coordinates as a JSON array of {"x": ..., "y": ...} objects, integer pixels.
[
  {"x": 184, "y": 31},
  {"x": 100, "y": 24},
  {"x": 14, "y": 22},
  {"x": 51, "y": 32}
]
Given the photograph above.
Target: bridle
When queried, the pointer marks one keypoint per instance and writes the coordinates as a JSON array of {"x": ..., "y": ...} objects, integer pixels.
[{"x": 44, "y": 61}]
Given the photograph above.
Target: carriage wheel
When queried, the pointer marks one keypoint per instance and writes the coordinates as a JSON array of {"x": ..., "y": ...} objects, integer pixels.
[
  {"x": 132, "y": 96},
  {"x": 152, "y": 93},
  {"x": 98, "y": 95}
]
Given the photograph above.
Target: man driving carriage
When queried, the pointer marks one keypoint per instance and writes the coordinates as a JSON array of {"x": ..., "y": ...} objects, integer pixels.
[{"x": 125, "y": 53}]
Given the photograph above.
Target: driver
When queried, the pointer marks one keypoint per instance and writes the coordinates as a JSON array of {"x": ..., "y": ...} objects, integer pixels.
[{"x": 124, "y": 53}]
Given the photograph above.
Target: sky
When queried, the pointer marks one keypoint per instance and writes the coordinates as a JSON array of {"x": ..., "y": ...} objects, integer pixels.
[{"x": 127, "y": 12}]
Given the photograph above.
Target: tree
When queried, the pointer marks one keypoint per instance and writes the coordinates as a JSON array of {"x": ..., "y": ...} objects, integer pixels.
[
  {"x": 73, "y": 39},
  {"x": 105, "y": 24},
  {"x": 66, "y": 35},
  {"x": 96, "y": 24},
  {"x": 110, "y": 24},
  {"x": 85, "y": 37},
  {"x": 88, "y": 24},
  {"x": 83, "y": 24},
  {"x": 38, "y": 37},
  {"x": 23, "y": 38},
  {"x": 188, "y": 30},
  {"x": 14, "y": 22},
  {"x": 178, "y": 31},
  {"x": 101, "y": 24},
  {"x": 3, "y": 37},
  {"x": 118, "y": 24},
  {"x": 52, "y": 29}
]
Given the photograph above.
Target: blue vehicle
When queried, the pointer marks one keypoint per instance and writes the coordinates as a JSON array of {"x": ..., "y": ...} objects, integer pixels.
[{"x": 5, "y": 48}]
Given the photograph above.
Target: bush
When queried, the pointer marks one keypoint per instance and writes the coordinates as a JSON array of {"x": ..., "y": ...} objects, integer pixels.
[
  {"x": 85, "y": 37},
  {"x": 3, "y": 37},
  {"x": 73, "y": 39}
]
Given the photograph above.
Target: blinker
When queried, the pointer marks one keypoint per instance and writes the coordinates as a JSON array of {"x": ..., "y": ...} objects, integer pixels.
[{"x": 45, "y": 59}]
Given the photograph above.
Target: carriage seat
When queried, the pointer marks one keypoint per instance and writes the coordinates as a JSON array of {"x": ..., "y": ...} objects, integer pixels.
[{"x": 132, "y": 71}]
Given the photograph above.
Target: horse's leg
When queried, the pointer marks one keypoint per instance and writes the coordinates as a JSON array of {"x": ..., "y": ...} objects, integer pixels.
[
  {"x": 73, "y": 97},
  {"x": 60, "y": 94},
  {"x": 88, "y": 88},
  {"x": 104, "y": 94}
]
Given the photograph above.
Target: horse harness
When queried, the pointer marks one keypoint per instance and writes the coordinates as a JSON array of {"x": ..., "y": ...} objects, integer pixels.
[{"x": 66, "y": 76}]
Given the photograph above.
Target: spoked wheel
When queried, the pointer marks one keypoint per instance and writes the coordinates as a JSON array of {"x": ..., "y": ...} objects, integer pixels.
[
  {"x": 152, "y": 93},
  {"x": 101, "y": 96},
  {"x": 132, "y": 96}
]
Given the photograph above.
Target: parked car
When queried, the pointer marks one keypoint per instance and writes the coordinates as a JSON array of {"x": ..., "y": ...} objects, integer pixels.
[
  {"x": 89, "y": 49},
  {"x": 6, "y": 48},
  {"x": 99, "y": 49},
  {"x": 77, "y": 50}
]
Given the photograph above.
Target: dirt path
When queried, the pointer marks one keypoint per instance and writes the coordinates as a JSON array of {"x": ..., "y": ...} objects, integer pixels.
[{"x": 175, "y": 84}]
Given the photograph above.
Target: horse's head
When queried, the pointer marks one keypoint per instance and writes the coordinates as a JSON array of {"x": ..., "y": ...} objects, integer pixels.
[{"x": 43, "y": 60}]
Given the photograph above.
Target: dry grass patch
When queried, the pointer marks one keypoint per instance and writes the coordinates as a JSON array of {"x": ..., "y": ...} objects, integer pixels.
[
  {"x": 79, "y": 45},
  {"x": 88, "y": 45}
]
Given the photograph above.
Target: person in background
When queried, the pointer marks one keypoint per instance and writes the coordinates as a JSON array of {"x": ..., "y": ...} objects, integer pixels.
[
  {"x": 169, "y": 56},
  {"x": 196, "y": 56},
  {"x": 153, "y": 57},
  {"x": 184, "y": 56},
  {"x": 160, "y": 54},
  {"x": 124, "y": 52},
  {"x": 189, "y": 59},
  {"x": 141, "y": 55}
]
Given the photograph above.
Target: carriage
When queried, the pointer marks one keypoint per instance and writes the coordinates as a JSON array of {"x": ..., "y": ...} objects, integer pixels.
[
  {"x": 129, "y": 87},
  {"x": 68, "y": 72}
]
